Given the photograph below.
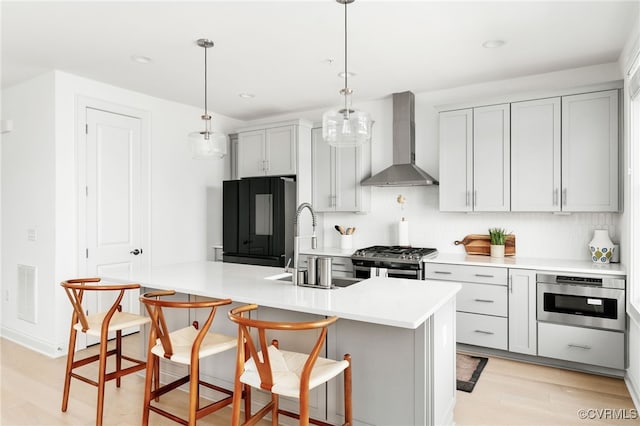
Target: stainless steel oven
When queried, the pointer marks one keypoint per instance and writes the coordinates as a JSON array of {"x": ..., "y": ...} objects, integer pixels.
[
  {"x": 596, "y": 301},
  {"x": 364, "y": 272},
  {"x": 391, "y": 262}
]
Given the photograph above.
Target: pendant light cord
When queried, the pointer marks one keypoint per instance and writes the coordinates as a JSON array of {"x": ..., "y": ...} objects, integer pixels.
[
  {"x": 346, "y": 86},
  {"x": 205, "y": 81}
]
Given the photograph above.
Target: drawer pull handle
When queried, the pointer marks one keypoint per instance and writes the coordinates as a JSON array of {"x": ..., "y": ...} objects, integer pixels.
[
  {"x": 484, "y": 332},
  {"x": 484, "y": 300},
  {"x": 484, "y": 275},
  {"x": 442, "y": 272},
  {"x": 585, "y": 347}
]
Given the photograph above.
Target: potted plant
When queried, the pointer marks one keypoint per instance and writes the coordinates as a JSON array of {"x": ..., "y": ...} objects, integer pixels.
[{"x": 497, "y": 237}]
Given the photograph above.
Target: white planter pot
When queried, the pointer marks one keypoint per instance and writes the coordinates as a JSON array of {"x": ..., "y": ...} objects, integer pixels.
[
  {"x": 497, "y": 250},
  {"x": 601, "y": 247}
]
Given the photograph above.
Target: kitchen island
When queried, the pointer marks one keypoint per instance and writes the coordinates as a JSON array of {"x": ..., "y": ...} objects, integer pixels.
[{"x": 400, "y": 333}]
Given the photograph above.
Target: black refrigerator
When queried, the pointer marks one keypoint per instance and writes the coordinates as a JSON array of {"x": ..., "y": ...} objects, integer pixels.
[{"x": 257, "y": 218}]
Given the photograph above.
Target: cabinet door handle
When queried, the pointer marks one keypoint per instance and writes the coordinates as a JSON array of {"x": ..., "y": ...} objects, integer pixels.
[
  {"x": 267, "y": 163},
  {"x": 484, "y": 332},
  {"x": 585, "y": 347},
  {"x": 475, "y": 198},
  {"x": 442, "y": 272},
  {"x": 510, "y": 283},
  {"x": 564, "y": 197},
  {"x": 484, "y": 275},
  {"x": 468, "y": 195},
  {"x": 555, "y": 197},
  {"x": 484, "y": 300}
]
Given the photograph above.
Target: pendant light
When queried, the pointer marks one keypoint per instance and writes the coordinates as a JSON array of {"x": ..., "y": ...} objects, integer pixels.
[
  {"x": 346, "y": 127},
  {"x": 208, "y": 143}
]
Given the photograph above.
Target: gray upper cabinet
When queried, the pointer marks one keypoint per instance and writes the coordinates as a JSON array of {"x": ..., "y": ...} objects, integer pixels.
[
  {"x": 267, "y": 152},
  {"x": 491, "y": 159},
  {"x": 475, "y": 159},
  {"x": 545, "y": 155},
  {"x": 535, "y": 155},
  {"x": 590, "y": 152},
  {"x": 336, "y": 176},
  {"x": 456, "y": 160}
]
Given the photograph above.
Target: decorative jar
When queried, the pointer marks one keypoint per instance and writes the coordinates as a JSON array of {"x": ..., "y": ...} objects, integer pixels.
[{"x": 601, "y": 247}]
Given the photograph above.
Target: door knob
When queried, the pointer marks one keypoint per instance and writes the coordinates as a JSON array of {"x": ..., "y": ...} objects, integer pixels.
[{"x": 136, "y": 252}]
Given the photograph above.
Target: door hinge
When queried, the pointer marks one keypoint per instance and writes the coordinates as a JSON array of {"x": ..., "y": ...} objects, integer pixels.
[{"x": 86, "y": 253}]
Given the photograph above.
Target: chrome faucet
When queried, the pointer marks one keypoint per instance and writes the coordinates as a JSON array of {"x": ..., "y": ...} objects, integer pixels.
[{"x": 296, "y": 238}]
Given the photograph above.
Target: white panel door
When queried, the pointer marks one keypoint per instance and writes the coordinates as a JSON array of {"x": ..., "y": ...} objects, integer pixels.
[
  {"x": 491, "y": 158},
  {"x": 456, "y": 160},
  {"x": 523, "y": 332},
  {"x": 281, "y": 151},
  {"x": 113, "y": 202},
  {"x": 535, "y": 155},
  {"x": 590, "y": 152}
]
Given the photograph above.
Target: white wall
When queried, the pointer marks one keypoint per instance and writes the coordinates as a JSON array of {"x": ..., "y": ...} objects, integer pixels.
[
  {"x": 28, "y": 202},
  {"x": 431, "y": 228},
  {"x": 39, "y": 186}
]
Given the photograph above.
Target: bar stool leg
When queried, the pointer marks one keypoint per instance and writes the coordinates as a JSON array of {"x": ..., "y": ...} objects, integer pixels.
[
  {"x": 67, "y": 376},
  {"x": 101, "y": 377},
  {"x": 118, "y": 355},
  {"x": 150, "y": 376},
  {"x": 194, "y": 385},
  {"x": 348, "y": 413},
  {"x": 274, "y": 410}
]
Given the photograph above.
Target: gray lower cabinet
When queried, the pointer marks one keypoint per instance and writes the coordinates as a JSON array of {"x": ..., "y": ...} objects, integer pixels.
[
  {"x": 523, "y": 334},
  {"x": 482, "y": 303},
  {"x": 579, "y": 344}
]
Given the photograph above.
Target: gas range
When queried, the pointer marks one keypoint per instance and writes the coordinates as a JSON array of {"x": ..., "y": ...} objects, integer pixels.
[{"x": 382, "y": 256}]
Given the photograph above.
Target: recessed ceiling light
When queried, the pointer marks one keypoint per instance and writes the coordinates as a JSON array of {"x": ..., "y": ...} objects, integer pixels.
[
  {"x": 141, "y": 59},
  {"x": 492, "y": 44},
  {"x": 349, "y": 74},
  {"x": 245, "y": 95}
]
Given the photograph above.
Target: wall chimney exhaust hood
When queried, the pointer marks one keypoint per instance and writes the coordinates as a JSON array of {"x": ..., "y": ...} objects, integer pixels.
[{"x": 404, "y": 171}]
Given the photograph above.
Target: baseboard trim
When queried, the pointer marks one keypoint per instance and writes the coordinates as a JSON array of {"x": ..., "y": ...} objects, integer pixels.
[
  {"x": 634, "y": 390},
  {"x": 45, "y": 348}
]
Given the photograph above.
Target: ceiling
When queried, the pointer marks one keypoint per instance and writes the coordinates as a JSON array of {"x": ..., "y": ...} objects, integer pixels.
[{"x": 278, "y": 51}]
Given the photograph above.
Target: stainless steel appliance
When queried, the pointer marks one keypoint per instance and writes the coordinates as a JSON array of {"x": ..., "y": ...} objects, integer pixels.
[
  {"x": 391, "y": 261},
  {"x": 258, "y": 220},
  {"x": 596, "y": 301}
]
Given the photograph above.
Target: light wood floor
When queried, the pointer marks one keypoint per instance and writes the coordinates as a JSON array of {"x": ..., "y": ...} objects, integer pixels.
[{"x": 508, "y": 393}]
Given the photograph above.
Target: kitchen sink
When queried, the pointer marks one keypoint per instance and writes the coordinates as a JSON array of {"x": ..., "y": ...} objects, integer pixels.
[{"x": 335, "y": 281}]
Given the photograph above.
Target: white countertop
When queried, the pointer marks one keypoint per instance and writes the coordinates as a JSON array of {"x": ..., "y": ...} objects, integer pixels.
[
  {"x": 388, "y": 301},
  {"x": 552, "y": 265}
]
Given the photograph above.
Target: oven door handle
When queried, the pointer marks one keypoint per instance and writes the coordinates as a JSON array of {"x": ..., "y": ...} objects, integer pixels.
[{"x": 573, "y": 345}]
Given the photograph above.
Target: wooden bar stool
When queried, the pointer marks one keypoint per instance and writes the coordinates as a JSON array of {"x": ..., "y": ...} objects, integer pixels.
[
  {"x": 184, "y": 346},
  {"x": 282, "y": 372},
  {"x": 99, "y": 325}
]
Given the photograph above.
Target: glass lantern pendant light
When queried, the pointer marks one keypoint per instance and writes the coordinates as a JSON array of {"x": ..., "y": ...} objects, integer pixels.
[
  {"x": 346, "y": 127},
  {"x": 208, "y": 143}
]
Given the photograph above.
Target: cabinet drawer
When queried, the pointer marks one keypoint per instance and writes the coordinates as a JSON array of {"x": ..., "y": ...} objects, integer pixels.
[
  {"x": 586, "y": 345},
  {"x": 481, "y": 330},
  {"x": 463, "y": 273},
  {"x": 482, "y": 299}
]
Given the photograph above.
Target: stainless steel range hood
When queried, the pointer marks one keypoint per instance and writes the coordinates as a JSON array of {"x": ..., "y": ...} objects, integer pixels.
[{"x": 404, "y": 171}]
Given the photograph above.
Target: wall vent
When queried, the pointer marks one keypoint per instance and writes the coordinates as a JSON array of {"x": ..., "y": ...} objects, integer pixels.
[{"x": 27, "y": 300}]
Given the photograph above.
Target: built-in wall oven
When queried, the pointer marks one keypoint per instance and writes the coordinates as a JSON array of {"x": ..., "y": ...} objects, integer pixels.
[
  {"x": 391, "y": 261},
  {"x": 596, "y": 301}
]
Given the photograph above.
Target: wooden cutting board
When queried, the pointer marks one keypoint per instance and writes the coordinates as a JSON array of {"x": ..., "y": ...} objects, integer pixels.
[{"x": 481, "y": 244}]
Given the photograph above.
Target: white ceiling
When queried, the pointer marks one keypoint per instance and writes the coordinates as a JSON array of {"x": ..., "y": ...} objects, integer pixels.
[{"x": 277, "y": 50}]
